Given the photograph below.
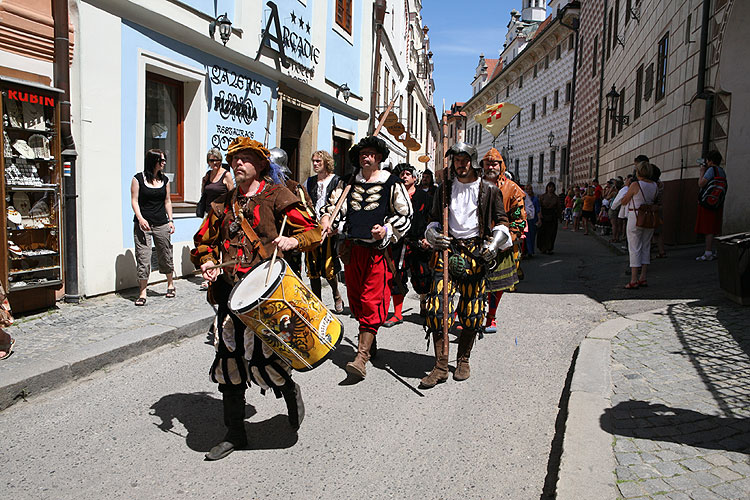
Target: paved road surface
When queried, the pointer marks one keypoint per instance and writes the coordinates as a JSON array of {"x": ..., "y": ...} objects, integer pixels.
[{"x": 139, "y": 429}]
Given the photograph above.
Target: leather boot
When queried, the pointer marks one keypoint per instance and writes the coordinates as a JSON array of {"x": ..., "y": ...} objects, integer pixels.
[
  {"x": 295, "y": 407},
  {"x": 234, "y": 419},
  {"x": 439, "y": 373},
  {"x": 374, "y": 347},
  {"x": 465, "y": 343},
  {"x": 358, "y": 367}
]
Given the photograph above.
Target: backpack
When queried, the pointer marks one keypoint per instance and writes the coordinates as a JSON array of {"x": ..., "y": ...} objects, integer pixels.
[{"x": 712, "y": 195}]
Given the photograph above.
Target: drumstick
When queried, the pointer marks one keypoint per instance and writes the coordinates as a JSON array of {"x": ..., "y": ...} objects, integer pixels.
[
  {"x": 275, "y": 252},
  {"x": 218, "y": 266}
]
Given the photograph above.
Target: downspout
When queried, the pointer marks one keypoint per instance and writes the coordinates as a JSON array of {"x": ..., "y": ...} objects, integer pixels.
[
  {"x": 378, "y": 17},
  {"x": 601, "y": 93},
  {"x": 69, "y": 154},
  {"x": 708, "y": 96},
  {"x": 574, "y": 27}
]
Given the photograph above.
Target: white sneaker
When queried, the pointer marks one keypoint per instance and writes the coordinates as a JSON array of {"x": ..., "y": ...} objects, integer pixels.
[{"x": 706, "y": 256}]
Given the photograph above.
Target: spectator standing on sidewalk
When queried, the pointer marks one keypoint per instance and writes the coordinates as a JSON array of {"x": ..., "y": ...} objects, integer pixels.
[
  {"x": 598, "y": 196},
  {"x": 640, "y": 192},
  {"x": 707, "y": 220},
  {"x": 549, "y": 215},
  {"x": 659, "y": 231},
  {"x": 532, "y": 207},
  {"x": 577, "y": 209},
  {"x": 614, "y": 217},
  {"x": 6, "y": 319},
  {"x": 152, "y": 206},
  {"x": 589, "y": 214},
  {"x": 568, "y": 213},
  {"x": 215, "y": 183}
]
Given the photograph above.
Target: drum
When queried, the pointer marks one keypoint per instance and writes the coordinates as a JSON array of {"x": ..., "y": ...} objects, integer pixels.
[{"x": 286, "y": 315}]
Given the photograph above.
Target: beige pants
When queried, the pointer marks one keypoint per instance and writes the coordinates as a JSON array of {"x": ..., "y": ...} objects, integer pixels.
[{"x": 163, "y": 246}]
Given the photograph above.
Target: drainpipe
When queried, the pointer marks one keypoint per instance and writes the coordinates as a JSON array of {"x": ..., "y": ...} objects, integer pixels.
[
  {"x": 601, "y": 92},
  {"x": 69, "y": 154},
  {"x": 708, "y": 96},
  {"x": 574, "y": 27},
  {"x": 379, "y": 16}
]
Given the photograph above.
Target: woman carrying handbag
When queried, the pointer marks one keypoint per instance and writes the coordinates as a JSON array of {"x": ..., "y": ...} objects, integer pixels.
[{"x": 640, "y": 200}]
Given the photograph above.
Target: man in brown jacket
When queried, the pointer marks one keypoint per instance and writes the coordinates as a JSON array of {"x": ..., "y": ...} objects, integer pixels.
[{"x": 261, "y": 202}]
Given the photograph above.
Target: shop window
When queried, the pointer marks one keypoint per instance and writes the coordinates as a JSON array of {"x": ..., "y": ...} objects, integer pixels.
[
  {"x": 344, "y": 14},
  {"x": 164, "y": 127},
  {"x": 661, "y": 68}
]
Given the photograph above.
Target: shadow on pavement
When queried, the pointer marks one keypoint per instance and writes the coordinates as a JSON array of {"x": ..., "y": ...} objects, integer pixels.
[
  {"x": 716, "y": 339},
  {"x": 658, "y": 422},
  {"x": 201, "y": 415}
]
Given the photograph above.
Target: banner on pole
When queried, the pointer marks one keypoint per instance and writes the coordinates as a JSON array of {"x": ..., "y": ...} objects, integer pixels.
[{"x": 496, "y": 117}]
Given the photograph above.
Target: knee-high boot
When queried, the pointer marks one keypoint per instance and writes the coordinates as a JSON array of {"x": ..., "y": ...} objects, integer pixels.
[
  {"x": 317, "y": 287},
  {"x": 439, "y": 373},
  {"x": 465, "y": 343},
  {"x": 358, "y": 367},
  {"x": 234, "y": 419}
]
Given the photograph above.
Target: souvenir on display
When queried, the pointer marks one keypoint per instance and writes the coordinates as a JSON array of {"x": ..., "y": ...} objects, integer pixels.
[
  {"x": 13, "y": 111},
  {"x": 7, "y": 150},
  {"x": 22, "y": 203},
  {"x": 14, "y": 217},
  {"x": 23, "y": 149},
  {"x": 33, "y": 116},
  {"x": 40, "y": 209},
  {"x": 40, "y": 145}
]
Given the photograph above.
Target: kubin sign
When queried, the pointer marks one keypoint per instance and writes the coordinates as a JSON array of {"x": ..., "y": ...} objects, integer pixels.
[{"x": 290, "y": 42}]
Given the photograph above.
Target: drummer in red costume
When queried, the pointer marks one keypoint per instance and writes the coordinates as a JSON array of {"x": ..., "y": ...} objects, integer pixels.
[
  {"x": 237, "y": 225},
  {"x": 376, "y": 213}
]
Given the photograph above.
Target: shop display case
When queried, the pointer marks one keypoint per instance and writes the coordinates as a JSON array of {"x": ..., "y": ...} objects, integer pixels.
[{"x": 30, "y": 256}]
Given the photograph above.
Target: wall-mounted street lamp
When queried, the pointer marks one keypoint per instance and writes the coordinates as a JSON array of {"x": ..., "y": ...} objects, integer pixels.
[
  {"x": 224, "y": 25},
  {"x": 612, "y": 97},
  {"x": 635, "y": 13},
  {"x": 551, "y": 140},
  {"x": 345, "y": 91}
]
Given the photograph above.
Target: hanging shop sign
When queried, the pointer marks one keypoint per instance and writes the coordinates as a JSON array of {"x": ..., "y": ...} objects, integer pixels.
[{"x": 237, "y": 106}]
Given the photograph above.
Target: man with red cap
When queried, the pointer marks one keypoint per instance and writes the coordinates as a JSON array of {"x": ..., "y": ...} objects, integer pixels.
[
  {"x": 505, "y": 276},
  {"x": 377, "y": 212},
  {"x": 243, "y": 225}
]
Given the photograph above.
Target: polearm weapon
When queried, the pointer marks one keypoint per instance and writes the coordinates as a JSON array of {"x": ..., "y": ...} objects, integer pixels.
[
  {"x": 446, "y": 294},
  {"x": 348, "y": 187}
]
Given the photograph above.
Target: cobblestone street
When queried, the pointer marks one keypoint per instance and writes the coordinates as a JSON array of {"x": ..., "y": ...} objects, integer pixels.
[{"x": 681, "y": 404}]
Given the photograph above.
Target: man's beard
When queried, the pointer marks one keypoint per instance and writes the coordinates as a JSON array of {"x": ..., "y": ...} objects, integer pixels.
[
  {"x": 464, "y": 175},
  {"x": 491, "y": 175}
]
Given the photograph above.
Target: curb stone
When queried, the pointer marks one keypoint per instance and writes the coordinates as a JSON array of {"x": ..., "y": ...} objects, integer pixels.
[
  {"x": 51, "y": 372},
  {"x": 588, "y": 463}
]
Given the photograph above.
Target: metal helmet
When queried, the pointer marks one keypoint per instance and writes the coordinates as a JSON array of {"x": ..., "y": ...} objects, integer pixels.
[
  {"x": 280, "y": 158},
  {"x": 467, "y": 149}
]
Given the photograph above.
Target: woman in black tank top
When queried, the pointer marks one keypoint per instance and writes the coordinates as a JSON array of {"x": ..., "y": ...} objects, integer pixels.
[
  {"x": 216, "y": 182},
  {"x": 152, "y": 206}
]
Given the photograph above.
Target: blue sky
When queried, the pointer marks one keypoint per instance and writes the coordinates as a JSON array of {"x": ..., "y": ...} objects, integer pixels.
[{"x": 459, "y": 32}]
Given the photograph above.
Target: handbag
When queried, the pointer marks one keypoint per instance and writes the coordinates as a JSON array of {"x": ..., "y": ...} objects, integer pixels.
[
  {"x": 200, "y": 208},
  {"x": 647, "y": 215}
]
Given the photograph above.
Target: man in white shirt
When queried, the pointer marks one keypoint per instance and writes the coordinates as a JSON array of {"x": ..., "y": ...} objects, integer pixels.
[{"x": 477, "y": 227}]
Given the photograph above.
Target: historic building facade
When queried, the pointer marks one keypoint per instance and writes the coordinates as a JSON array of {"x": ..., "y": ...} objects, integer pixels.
[
  {"x": 534, "y": 73},
  {"x": 665, "y": 61}
]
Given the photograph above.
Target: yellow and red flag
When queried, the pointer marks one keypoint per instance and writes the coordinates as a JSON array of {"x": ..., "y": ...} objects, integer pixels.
[{"x": 497, "y": 116}]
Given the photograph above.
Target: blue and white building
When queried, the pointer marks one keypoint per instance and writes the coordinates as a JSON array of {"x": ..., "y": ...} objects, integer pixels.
[{"x": 147, "y": 74}]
